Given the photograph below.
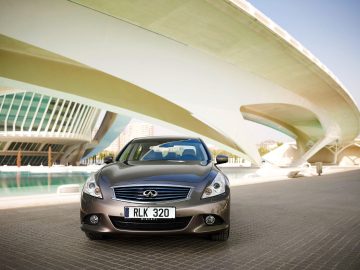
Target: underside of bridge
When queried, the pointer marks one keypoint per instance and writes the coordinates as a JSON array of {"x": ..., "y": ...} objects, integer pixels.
[{"x": 200, "y": 67}]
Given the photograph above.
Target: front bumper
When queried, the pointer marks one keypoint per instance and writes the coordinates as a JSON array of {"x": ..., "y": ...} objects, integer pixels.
[{"x": 108, "y": 210}]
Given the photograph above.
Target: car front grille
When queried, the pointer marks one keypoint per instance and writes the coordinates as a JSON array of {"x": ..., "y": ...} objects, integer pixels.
[
  {"x": 162, "y": 193},
  {"x": 150, "y": 224}
]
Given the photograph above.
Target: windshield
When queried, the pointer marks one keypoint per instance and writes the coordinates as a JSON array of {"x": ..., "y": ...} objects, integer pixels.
[{"x": 155, "y": 150}]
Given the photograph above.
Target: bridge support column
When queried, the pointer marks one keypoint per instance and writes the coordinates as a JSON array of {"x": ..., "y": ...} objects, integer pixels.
[{"x": 313, "y": 150}]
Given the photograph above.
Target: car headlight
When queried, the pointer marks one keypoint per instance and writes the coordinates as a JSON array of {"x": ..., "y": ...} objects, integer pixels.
[
  {"x": 217, "y": 187},
  {"x": 92, "y": 188}
]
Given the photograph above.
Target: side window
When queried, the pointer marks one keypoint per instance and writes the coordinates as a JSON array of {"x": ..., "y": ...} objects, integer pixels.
[
  {"x": 145, "y": 149},
  {"x": 202, "y": 152},
  {"x": 137, "y": 153},
  {"x": 125, "y": 155}
]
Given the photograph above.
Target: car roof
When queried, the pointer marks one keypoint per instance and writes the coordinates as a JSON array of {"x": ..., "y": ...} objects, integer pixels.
[{"x": 155, "y": 138}]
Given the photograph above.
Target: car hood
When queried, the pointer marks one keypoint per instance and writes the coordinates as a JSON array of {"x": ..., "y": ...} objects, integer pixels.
[{"x": 147, "y": 173}]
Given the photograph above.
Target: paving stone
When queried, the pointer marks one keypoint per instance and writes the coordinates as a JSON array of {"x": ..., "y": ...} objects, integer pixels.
[{"x": 309, "y": 223}]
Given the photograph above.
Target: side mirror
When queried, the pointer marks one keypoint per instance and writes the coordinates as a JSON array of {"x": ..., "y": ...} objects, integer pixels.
[
  {"x": 221, "y": 159},
  {"x": 108, "y": 160}
]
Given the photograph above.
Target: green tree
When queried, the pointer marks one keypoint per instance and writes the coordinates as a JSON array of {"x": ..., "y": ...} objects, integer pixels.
[
  {"x": 215, "y": 152},
  {"x": 263, "y": 150}
]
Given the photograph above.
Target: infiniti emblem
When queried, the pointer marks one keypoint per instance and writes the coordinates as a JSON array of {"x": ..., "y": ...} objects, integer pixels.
[{"x": 150, "y": 193}]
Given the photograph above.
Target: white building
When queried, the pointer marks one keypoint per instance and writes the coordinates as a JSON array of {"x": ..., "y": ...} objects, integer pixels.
[{"x": 133, "y": 130}]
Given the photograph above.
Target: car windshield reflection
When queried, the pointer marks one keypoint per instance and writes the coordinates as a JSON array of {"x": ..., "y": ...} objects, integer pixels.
[{"x": 173, "y": 150}]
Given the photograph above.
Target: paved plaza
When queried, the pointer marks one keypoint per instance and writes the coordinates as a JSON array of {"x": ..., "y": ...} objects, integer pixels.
[{"x": 305, "y": 223}]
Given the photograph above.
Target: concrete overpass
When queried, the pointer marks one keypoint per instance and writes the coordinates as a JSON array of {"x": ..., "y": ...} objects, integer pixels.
[{"x": 202, "y": 67}]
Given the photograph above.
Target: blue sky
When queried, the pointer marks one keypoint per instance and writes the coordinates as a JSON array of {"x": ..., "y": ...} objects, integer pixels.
[{"x": 330, "y": 29}]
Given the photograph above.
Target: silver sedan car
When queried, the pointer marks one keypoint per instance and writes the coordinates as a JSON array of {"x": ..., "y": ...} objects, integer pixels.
[{"x": 158, "y": 185}]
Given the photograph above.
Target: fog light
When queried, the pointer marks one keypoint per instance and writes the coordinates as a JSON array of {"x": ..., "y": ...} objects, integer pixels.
[
  {"x": 210, "y": 220},
  {"x": 94, "y": 219}
]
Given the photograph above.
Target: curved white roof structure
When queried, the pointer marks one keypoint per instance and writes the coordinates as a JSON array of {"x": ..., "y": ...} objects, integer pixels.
[
  {"x": 203, "y": 67},
  {"x": 31, "y": 123}
]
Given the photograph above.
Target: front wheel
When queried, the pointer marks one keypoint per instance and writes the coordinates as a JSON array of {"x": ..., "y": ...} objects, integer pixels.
[
  {"x": 220, "y": 236},
  {"x": 94, "y": 236}
]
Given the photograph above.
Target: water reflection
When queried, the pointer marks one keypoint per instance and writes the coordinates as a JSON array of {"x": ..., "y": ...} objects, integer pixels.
[
  {"x": 49, "y": 181},
  {"x": 26, "y": 183},
  {"x": 18, "y": 179}
]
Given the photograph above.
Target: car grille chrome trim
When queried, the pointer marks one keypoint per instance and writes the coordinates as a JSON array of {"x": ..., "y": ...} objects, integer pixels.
[{"x": 165, "y": 193}]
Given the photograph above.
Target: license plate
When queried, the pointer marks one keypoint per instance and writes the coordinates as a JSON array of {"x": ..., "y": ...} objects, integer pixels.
[{"x": 149, "y": 212}]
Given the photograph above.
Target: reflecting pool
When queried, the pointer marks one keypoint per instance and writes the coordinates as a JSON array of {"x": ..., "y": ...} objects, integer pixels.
[
  {"x": 30, "y": 183},
  {"x": 26, "y": 183}
]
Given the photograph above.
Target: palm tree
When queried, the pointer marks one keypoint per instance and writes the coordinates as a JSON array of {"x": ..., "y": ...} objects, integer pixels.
[
  {"x": 18, "y": 159},
  {"x": 49, "y": 157}
]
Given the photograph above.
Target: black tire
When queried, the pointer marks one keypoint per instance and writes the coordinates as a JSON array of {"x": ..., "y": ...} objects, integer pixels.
[
  {"x": 220, "y": 236},
  {"x": 94, "y": 236}
]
